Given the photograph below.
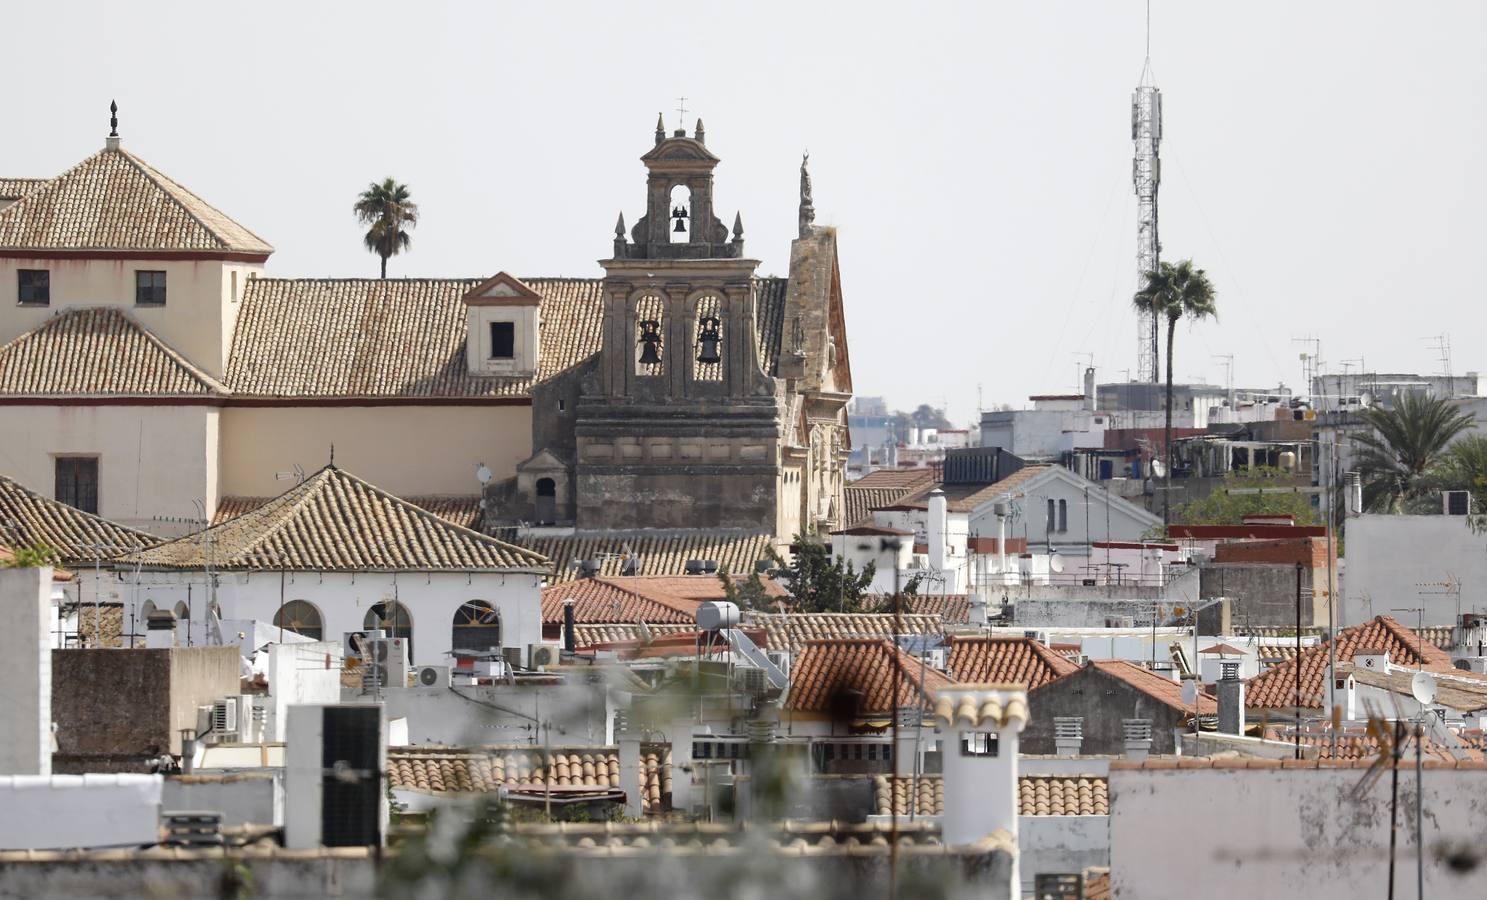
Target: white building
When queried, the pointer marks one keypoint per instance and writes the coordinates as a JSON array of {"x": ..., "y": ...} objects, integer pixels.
[
  {"x": 1401, "y": 562},
  {"x": 336, "y": 555}
]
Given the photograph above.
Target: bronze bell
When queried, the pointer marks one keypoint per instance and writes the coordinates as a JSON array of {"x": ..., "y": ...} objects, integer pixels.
[
  {"x": 707, "y": 341},
  {"x": 680, "y": 226},
  {"x": 650, "y": 336}
]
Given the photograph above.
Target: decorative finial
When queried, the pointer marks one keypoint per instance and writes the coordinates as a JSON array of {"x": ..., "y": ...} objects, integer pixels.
[
  {"x": 737, "y": 227},
  {"x": 619, "y": 226},
  {"x": 332, "y": 456},
  {"x": 113, "y": 119},
  {"x": 807, "y": 208},
  {"x": 660, "y": 129},
  {"x": 701, "y": 135}
]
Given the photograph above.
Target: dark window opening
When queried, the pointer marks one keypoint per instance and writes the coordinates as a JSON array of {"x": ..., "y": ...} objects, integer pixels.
[
  {"x": 477, "y": 627},
  {"x": 35, "y": 287},
  {"x": 77, "y": 482},
  {"x": 978, "y": 743},
  {"x": 149, "y": 288},
  {"x": 503, "y": 340}
]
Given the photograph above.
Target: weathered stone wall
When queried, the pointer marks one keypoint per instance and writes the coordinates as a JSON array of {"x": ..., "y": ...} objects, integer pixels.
[
  {"x": 1265, "y": 593},
  {"x": 1103, "y": 702}
]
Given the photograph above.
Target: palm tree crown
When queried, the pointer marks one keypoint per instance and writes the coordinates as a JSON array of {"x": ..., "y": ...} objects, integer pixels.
[
  {"x": 389, "y": 212},
  {"x": 1404, "y": 447},
  {"x": 1175, "y": 292}
]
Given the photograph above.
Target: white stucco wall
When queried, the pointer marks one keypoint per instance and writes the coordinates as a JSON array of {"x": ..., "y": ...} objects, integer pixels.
[
  {"x": 344, "y": 601},
  {"x": 408, "y": 450},
  {"x": 1180, "y": 833},
  {"x": 1126, "y": 522},
  {"x": 26, "y": 672},
  {"x": 60, "y": 812},
  {"x": 1392, "y": 561},
  {"x": 153, "y": 461},
  {"x": 1060, "y": 845},
  {"x": 197, "y": 319}
]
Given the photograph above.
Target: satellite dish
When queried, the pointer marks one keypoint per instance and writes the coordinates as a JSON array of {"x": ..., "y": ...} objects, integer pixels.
[
  {"x": 1055, "y": 562},
  {"x": 1158, "y": 468},
  {"x": 483, "y": 474},
  {"x": 1423, "y": 687}
]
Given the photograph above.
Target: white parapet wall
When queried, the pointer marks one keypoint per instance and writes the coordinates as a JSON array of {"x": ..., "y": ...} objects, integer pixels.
[
  {"x": 26, "y": 672},
  {"x": 60, "y": 812}
]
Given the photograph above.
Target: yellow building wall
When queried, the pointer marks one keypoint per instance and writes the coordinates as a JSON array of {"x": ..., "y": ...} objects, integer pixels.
[{"x": 408, "y": 450}]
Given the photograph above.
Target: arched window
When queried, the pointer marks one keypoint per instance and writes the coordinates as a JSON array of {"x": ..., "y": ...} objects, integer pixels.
[
  {"x": 707, "y": 339},
  {"x": 650, "y": 335},
  {"x": 393, "y": 619},
  {"x": 547, "y": 501},
  {"x": 302, "y": 618},
  {"x": 477, "y": 627},
  {"x": 680, "y": 229}
]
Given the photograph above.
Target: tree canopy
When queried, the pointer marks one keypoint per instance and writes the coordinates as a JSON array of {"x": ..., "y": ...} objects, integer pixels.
[
  {"x": 819, "y": 583},
  {"x": 1219, "y": 508},
  {"x": 1402, "y": 456},
  {"x": 387, "y": 207}
]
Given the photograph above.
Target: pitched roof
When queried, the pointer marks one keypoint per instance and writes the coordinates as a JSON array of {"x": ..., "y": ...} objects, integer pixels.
[
  {"x": 883, "y": 487},
  {"x": 903, "y": 479},
  {"x": 28, "y": 519},
  {"x": 462, "y": 511},
  {"x": 1275, "y": 688},
  {"x": 98, "y": 351},
  {"x": 1037, "y": 795},
  {"x": 966, "y": 498},
  {"x": 335, "y": 521},
  {"x": 368, "y": 337},
  {"x": 856, "y": 676},
  {"x": 113, "y": 201},
  {"x": 1159, "y": 688},
  {"x": 658, "y": 552},
  {"x": 1006, "y": 659},
  {"x": 954, "y": 609},
  {"x": 624, "y": 632},
  {"x": 16, "y": 188},
  {"x": 441, "y": 770},
  {"x": 791, "y": 631},
  {"x": 614, "y": 600}
]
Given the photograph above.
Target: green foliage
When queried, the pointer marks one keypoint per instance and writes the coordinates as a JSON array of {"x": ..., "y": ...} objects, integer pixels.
[
  {"x": 1219, "y": 508},
  {"x": 1464, "y": 467},
  {"x": 1403, "y": 457},
  {"x": 34, "y": 557},
  {"x": 749, "y": 594},
  {"x": 819, "y": 583},
  {"x": 389, "y": 210}
]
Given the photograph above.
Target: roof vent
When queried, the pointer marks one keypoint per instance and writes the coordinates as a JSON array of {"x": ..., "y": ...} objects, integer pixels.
[
  {"x": 702, "y": 566},
  {"x": 587, "y": 568}
]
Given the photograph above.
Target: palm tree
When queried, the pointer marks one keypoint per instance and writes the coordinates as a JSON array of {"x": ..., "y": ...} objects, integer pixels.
[
  {"x": 1174, "y": 292},
  {"x": 1464, "y": 467},
  {"x": 1403, "y": 450},
  {"x": 386, "y": 208}
]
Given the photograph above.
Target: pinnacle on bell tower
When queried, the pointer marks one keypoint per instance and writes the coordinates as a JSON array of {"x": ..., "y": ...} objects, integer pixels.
[{"x": 680, "y": 220}]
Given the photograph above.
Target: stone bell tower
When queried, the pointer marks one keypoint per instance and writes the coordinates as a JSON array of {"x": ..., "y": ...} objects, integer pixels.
[{"x": 680, "y": 425}]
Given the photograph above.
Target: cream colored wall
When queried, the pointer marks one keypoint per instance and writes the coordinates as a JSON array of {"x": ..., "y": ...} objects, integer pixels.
[
  {"x": 152, "y": 460},
  {"x": 403, "y": 449},
  {"x": 197, "y": 319}
]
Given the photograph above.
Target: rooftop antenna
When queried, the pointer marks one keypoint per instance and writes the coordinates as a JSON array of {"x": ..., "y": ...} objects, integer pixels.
[
  {"x": 1228, "y": 360},
  {"x": 1442, "y": 347},
  {"x": 297, "y": 473},
  {"x": 1146, "y": 177}
]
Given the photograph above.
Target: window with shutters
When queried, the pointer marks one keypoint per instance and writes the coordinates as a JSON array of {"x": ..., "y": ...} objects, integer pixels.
[{"x": 77, "y": 482}]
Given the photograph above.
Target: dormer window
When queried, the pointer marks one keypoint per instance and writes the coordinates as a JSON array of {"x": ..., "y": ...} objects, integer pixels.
[
  {"x": 503, "y": 340},
  {"x": 503, "y": 319}
]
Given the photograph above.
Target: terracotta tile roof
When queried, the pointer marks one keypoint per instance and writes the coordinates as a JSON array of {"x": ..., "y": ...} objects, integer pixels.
[
  {"x": 441, "y": 770},
  {"x": 791, "y": 631},
  {"x": 28, "y": 519},
  {"x": 462, "y": 511},
  {"x": 334, "y": 521},
  {"x": 623, "y": 633},
  {"x": 902, "y": 479},
  {"x": 100, "y": 625},
  {"x": 659, "y": 553},
  {"x": 1158, "y": 687},
  {"x": 967, "y": 498},
  {"x": 885, "y": 487},
  {"x": 769, "y": 321},
  {"x": 697, "y": 588},
  {"x": 1037, "y": 795},
  {"x": 610, "y": 600},
  {"x": 404, "y": 337},
  {"x": 1153, "y": 764},
  {"x": 1439, "y": 635},
  {"x": 1221, "y": 649},
  {"x": 1097, "y": 884},
  {"x": 1015, "y": 660},
  {"x": 113, "y": 200},
  {"x": 98, "y": 351},
  {"x": 856, "y": 676},
  {"x": 980, "y": 705},
  {"x": 1353, "y": 742},
  {"x": 16, "y": 188},
  {"x": 1275, "y": 688},
  {"x": 954, "y": 609}
]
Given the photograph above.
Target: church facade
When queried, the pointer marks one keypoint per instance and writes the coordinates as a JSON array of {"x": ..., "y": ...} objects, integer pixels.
[{"x": 680, "y": 391}]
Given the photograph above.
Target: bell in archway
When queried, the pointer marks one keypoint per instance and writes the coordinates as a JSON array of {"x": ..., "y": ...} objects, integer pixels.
[
  {"x": 650, "y": 337},
  {"x": 707, "y": 341},
  {"x": 681, "y": 227}
]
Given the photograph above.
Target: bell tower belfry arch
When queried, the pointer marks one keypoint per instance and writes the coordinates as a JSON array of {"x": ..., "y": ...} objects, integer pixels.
[{"x": 680, "y": 424}]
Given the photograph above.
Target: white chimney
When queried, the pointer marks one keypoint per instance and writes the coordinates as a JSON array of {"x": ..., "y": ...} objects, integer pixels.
[
  {"x": 1137, "y": 734},
  {"x": 910, "y": 720},
  {"x": 1089, "y": 388},
  {"x": 26, "y": 672},
  {"x": 935, "y": 529},
  {"x": 979, "y": 728},
  {"x": 1068, "y": 735}
]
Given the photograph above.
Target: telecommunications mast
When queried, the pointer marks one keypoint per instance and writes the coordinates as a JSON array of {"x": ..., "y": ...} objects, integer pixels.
[{"x": 1146, "y": 176}]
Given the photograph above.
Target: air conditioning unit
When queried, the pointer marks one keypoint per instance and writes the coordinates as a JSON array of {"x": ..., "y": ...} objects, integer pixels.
[
  {"x": 1120, "y": 621},
  {"x": 387, "y": 663},
  {"x": 781, "y": 660},
  {"x": 752, "y": 681},
  {"x": 333, "y": 788},
  {"x": 431, "y": 676},
  {"x": 225, "y": 718},
  {"x": 1456, "y": 503},
  {"x": 543, "y": 655}
]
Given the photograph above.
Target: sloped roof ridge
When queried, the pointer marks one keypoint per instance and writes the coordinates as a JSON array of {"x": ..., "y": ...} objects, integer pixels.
[{"x": 175, "y": 189}]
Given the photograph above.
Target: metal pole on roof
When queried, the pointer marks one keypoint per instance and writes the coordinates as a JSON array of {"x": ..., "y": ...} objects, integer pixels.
[
  {"x": 1419, "y": 814},
  {"x": 1298, "y": 658}
]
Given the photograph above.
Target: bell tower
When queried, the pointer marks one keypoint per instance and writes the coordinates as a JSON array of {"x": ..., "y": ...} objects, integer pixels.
[{"x": 679, "y": 425}]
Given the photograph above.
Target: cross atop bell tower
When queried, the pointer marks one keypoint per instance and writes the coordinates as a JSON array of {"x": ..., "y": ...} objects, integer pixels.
[{"x": 679, "y": 220}]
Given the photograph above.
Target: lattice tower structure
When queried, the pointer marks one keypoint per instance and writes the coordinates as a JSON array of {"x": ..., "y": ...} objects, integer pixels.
[{"x": 1146, "y": 177}]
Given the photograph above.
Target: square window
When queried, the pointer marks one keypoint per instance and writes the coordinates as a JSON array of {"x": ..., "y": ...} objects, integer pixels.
[
  {"x": 35, "y": 287},
  {"x": 978, "y": 743},
  {"x": 503, "y": 340},
  {"x": 149, "y": 288},
  {"x": 77, "y": 482}
]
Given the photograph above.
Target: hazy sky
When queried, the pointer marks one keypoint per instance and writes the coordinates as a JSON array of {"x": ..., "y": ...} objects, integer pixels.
[{"x": 1325, "y": 162}]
